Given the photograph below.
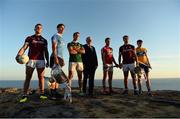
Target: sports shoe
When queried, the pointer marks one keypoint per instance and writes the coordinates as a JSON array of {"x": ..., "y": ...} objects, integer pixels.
[
  {"x": 42, "y": 96},
  {"x": 125, "y": 92},
  {"x": 136, "y": 92},
  {"x": 58, "y": 94},
  {"x": 81, "y": 94},
  {"x": 53, "y": 98},
  {"x": 149, "y": 94},
  {"x": 105, "y": 92},
  {"x": 112, "y": 91},
  {"x": 23, "y": 99},
  {"x": 140, "y": 92},
  {"x": 53, "y": 94}
]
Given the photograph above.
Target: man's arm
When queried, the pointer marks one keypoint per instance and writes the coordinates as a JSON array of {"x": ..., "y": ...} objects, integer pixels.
[
  {"x": 81, "y": 50},
  {"x": 148, "y": 60},
  {"x": 96, "y": 59},
  {"x": 84, "y": 57},
  {"x": 46, "y": 53},
  {"x": 119, "y": 58},
  {"x": 54, "y": 50},
  {"x": 71, "y": 50},
  {"x": 22, "y": 50},
  {"x": 55, "y": 55},
  {"x": 136, "y": 59},
  {"x": 103, "y": 57},
  {"x": 115, "y": 61}
]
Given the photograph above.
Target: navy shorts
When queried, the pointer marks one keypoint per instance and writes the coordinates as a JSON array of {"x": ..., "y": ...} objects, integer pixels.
[{"x": 146, "y": 68}]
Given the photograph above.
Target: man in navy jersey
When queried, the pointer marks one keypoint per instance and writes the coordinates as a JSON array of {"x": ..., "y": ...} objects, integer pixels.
[{"x": 37, "y": 51}]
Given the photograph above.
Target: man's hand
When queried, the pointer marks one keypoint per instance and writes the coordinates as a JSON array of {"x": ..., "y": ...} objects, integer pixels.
[
  {"x": 17, "y": 57},
  {"x": 76, "y": 48},
  {"x": 56, "y": 61},
  {"x": 105, "y": 65},
  {"x": 80, "y": 50},
  {"x": 120, "y": 65},
  {"x": 137, "y": 64},
  {"x": 47, "y": 64},
  {"x": 61, "y": 62},
  {"x": 117, "y": 65},
  {"x": 150, "y": 67}
]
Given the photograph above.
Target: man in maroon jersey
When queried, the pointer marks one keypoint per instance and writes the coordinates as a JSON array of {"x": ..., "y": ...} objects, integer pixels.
[
  {"x": 37, "y": 51},
  {"x": 127, "y": 51}
]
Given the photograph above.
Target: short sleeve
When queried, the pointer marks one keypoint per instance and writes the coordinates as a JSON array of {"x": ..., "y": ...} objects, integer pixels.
[
  {"x": 102, "y": 50},
  {"x": 54, "y": 38},
  {"x": 45, "y": 43},
  {"x": 145, "y": 50},
  {"x": 68, "y": 45},
  {"x": 120, "y": 50},
  {"x": 81, "y": 46},
  {"x": 133, "y": 48},
  {"x": 27, "y": 40}
]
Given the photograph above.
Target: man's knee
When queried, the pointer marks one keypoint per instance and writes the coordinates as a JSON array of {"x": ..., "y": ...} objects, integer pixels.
[
  {"x": 41, "y": 76},
  {"x": 80, "y": 76},
  {"x": 125, "y": 74},
  {"x": 29, "y": 70}
]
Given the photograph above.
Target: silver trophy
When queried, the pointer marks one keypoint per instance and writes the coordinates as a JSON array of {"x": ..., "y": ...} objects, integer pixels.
[{"x": 58, "y": 76}]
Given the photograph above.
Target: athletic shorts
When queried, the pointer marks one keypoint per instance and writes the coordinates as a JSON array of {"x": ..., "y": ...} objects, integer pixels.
[
  {"x": 76, "y": 66},
  {"x": 128, "y": 67},
  {"x": 108, "y": 67},
  {"x": 36, "y": 63},
  {"x": 144, "y": 67}
]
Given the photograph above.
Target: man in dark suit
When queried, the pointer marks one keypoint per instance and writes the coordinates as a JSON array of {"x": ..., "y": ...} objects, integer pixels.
[{"x": 90, "y": 63}]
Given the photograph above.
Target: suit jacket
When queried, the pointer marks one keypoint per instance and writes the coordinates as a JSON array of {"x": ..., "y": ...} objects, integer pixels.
[{"x": 90, "y": 60}]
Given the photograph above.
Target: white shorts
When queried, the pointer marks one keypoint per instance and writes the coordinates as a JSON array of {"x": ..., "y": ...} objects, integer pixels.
[
  {"x": 36, "y": 63},
  {"x": 128, "y": 67},
  {"x": 108, "y": 67},
  {"x": 76, "y": 66}
]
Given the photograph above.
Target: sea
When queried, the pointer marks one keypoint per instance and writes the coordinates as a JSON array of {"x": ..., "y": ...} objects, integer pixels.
[{"x": 156, "y": 84}]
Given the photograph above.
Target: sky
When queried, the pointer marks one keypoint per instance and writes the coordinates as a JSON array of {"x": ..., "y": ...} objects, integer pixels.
[{"x": 156, "y": 22}]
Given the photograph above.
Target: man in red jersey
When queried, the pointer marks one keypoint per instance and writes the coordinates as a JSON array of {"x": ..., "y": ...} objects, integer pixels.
[
  {"x": 37, "y": 51},
  {"x": 108, "y": 60},
  {"x": 127, "y": 51}
]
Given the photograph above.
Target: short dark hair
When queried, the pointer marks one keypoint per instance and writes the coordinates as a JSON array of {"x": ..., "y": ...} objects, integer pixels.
[
  {"x": 88, "y": 38},
  {"x": 139, "y": 41},
  {"x": 59, "y": 25},
  {"x": 75, "y": 33},
  {"x": 106, "y": 39},
  {"x": 125, "y": 36},
  {"x": 38, "y": 25}
]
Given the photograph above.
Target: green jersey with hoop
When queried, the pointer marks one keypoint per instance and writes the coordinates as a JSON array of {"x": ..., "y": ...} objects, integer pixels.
[{"x": 75, "y": 57}]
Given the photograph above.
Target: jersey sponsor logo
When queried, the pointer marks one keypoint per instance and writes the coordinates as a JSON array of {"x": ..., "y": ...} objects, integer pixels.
[
  {"x": 127, "y": 50},
  {"x": 140, "y": 53},
  {"x": 37, "y": 42}
]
